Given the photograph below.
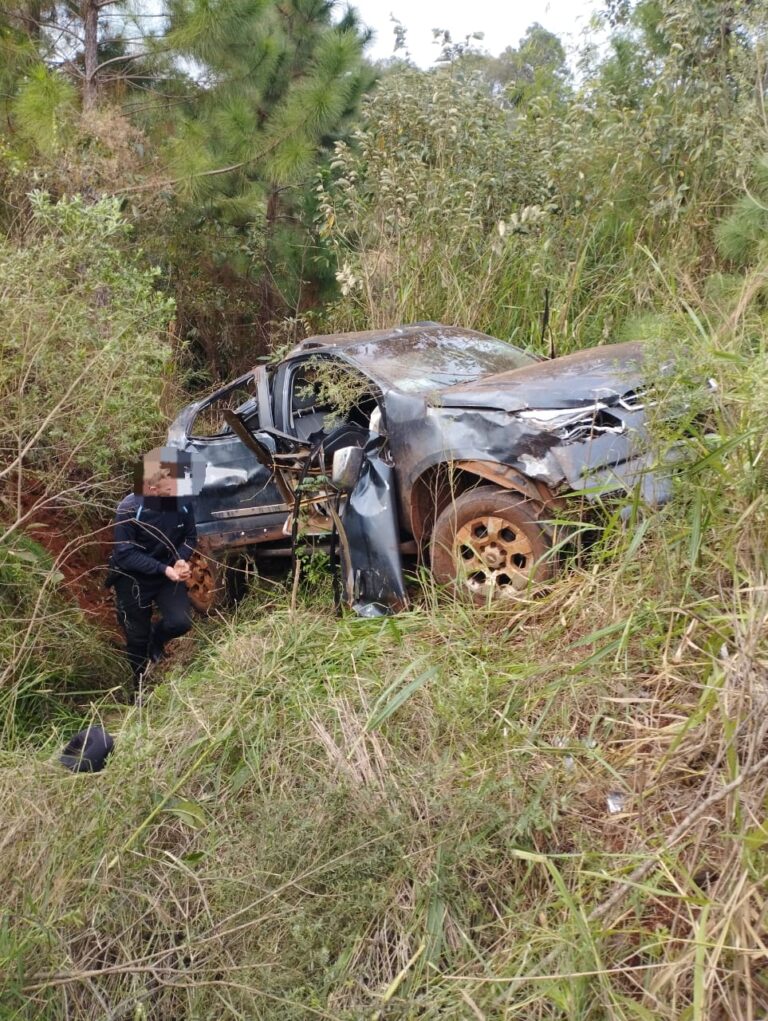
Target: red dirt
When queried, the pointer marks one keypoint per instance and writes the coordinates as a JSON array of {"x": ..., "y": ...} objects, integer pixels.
[{"x": 81, "y": 559}]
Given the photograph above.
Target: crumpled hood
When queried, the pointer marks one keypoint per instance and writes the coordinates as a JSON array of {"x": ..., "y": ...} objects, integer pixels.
[{"x": 598, "y": 374}]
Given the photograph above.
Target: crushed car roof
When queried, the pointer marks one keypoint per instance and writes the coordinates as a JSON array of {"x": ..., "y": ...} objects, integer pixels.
[
  {"x": 341, "y": 340},
  {"x": 423, "y": 357},
  {"x": 461, "y": 368}
]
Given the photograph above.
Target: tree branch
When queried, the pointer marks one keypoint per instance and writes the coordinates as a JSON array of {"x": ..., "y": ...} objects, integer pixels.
[
  {"x": 55, "y": 25},
  {"x": 177, "y": 180},
  {"x": 126, "y": 56}
]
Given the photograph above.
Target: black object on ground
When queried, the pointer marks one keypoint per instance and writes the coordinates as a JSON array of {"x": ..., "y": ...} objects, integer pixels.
[{"x": 87, "y": 751}]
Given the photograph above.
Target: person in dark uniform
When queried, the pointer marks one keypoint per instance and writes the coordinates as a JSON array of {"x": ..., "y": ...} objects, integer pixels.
[{"x": 154, "y": 537}]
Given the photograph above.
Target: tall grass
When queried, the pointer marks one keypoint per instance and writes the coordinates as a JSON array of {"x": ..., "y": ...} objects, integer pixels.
[
  {"x": 551, "y": 811},
  {"x": 453, "y": 207},
  {"x": 53, "y": 658}
]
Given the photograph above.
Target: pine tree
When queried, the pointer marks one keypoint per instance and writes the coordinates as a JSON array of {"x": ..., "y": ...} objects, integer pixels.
[
  {"x": 742, "y": 237},
  {"x": 277, "y": 81},
  {"x": 275, "y": 85},
  {"x": 94, "y": 43}
]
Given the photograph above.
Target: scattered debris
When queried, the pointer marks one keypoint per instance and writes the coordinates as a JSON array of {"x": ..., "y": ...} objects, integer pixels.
[
  {"x": 616, "y": 803},
  {"x": 569, "y": 763}
]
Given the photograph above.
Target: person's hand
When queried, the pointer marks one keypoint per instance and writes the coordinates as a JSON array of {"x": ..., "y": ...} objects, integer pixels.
[
  {"x": 182, "y": 568},
  {"x": 172, "y": 574}
]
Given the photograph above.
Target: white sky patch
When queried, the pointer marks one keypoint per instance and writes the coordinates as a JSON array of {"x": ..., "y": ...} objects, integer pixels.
[{"x": 503, "y": 24}]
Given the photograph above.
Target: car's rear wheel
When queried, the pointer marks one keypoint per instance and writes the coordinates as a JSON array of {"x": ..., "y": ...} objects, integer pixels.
[
  {"x": 205, "y": 585},
  {"x": 490, "y": 544},
  {"x": 215, "y": 583}
]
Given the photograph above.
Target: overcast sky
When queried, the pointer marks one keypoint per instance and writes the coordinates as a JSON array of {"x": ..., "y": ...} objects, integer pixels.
[{"x": 502, "y": 21}]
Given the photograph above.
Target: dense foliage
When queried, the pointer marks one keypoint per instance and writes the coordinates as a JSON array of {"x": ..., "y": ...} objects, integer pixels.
[
  {"x": 85, "y": 343},
  {"x": 455, "y": 205},
  {"x": 433, "y": 209}
]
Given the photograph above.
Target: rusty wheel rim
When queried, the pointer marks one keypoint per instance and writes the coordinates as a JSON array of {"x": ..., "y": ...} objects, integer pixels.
[
  {"x": 495, "y": 558},
  {"x": 201, "y": 584}
]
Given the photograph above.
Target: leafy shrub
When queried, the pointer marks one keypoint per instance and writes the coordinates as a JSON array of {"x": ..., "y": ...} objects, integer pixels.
[
  {"x": 84, "y": 356},
  {"x": 433, "y": 210}
]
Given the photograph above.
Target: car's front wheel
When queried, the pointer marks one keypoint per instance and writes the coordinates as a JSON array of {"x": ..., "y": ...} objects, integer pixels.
[{"x": 490, "y": 544}]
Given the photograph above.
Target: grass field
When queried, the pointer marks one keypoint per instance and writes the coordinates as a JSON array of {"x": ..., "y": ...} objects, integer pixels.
[
  {"x": 555, "y": 810},
  {"x": 554, "y": 813}
]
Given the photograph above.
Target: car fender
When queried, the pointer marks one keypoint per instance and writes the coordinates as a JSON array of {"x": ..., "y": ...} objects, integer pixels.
[{"x": 442, "y": 481}]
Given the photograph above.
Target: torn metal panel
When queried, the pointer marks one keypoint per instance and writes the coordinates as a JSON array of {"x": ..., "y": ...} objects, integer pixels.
[
  {"x": 552, "y": 450},
  {"x": 371, "y": 564}
]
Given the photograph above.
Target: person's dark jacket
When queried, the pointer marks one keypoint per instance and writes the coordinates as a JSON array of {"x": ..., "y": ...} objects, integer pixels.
[{"x": 151, "y": 533}]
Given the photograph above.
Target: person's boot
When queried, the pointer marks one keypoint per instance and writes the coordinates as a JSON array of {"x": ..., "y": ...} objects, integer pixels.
[
  {"x": 156, "y": 651},
  {"x": 135, "y": 686}
]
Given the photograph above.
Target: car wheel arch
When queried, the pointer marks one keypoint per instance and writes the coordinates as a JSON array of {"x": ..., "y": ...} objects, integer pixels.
[{"x": 436, "y": 487}]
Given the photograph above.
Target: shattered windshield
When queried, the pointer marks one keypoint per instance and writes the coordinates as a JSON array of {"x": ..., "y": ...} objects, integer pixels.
[{"x": 418, "y": 363}]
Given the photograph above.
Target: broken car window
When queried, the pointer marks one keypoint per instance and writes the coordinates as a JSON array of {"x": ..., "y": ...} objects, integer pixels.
[
  {"x": 327, "y": 393},
  {"x": 210, "y": 420}
]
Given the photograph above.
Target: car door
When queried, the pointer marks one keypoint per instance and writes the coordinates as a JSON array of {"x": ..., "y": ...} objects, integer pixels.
[{"x": 239, "y": 502}]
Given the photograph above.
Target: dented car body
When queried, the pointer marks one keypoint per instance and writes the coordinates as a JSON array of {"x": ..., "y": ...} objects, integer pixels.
[{"x": 473, "y": 441}]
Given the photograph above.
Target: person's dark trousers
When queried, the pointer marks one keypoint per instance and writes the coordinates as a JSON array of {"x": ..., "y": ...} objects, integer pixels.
[{"x": 134, "y": 599}]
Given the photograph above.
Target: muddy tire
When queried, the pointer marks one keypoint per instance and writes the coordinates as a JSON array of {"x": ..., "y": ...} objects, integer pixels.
[
  {"x": 220, "y": 582},
  {"x": 489, "y": 544},
  {"x": 206, "y": 586}
]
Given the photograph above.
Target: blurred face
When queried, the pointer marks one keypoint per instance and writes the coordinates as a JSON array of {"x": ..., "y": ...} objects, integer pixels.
[
  {"x": 167, "y": 486},
  {"x": 160, "y": 482}
]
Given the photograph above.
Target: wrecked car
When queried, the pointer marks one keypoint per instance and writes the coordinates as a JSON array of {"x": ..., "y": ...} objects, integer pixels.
[{"x": 467, "y": 446}]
